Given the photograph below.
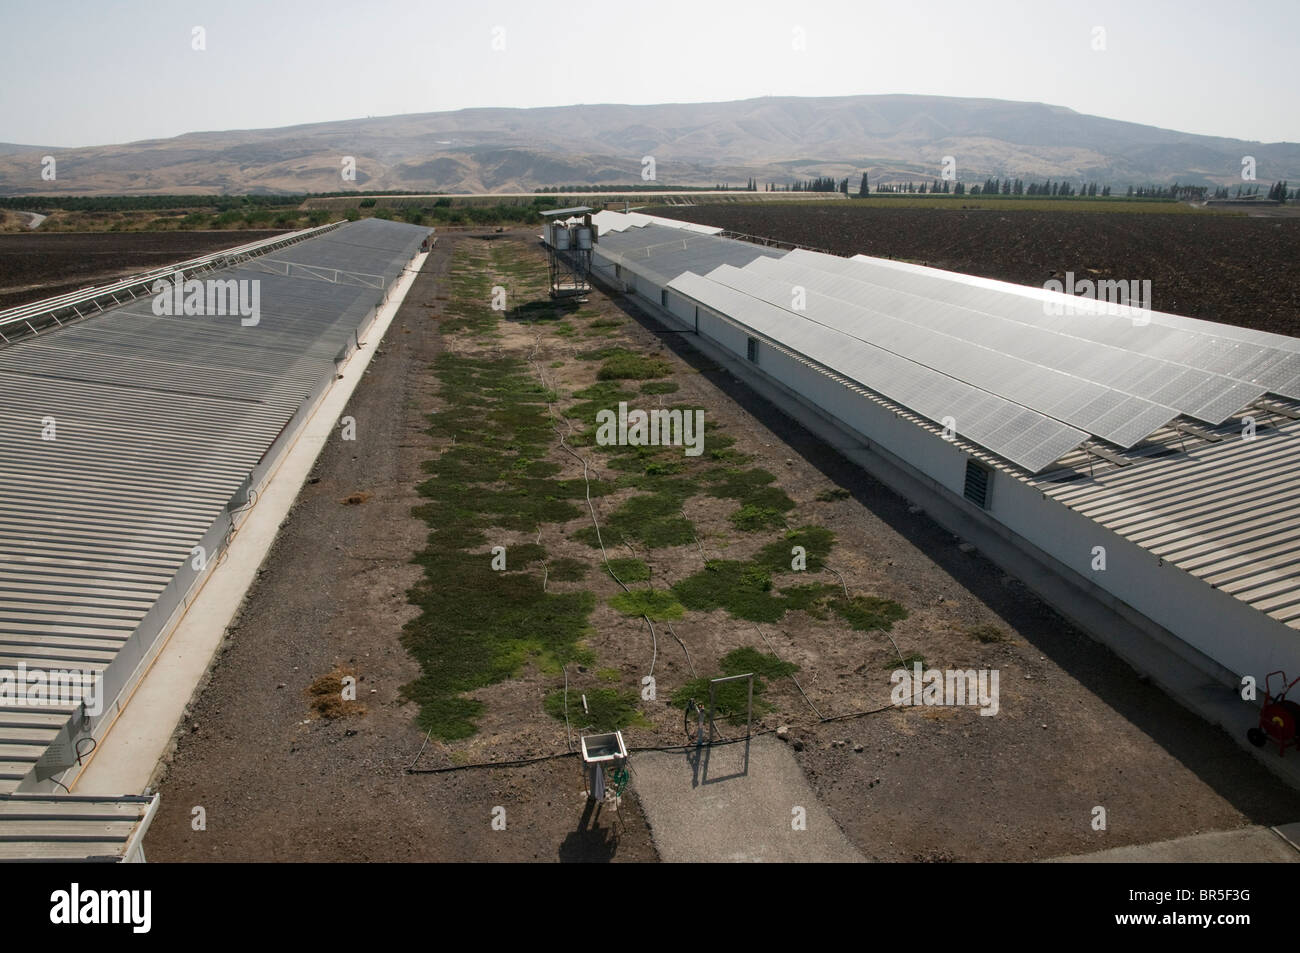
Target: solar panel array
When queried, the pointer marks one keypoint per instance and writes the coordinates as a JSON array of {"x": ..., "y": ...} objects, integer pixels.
[
  {"x": 1093, "y": 370},
  {"x": 1256, "y": 357},
  {"x": 1027, "y": 437},
  {"x": 1095, "y": 346}
]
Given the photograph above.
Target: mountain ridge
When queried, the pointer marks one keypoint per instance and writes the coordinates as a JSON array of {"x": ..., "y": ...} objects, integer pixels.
[{"x": 500, "y": 149}]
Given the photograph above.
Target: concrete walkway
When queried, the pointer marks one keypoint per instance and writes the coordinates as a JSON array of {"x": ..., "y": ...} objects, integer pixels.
[
  {"x": 1250, "y": 845},
  {"x": 735, "y": 803}
]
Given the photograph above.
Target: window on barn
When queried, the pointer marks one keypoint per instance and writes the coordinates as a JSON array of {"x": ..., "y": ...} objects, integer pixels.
[{"x": 751, "y": 349}]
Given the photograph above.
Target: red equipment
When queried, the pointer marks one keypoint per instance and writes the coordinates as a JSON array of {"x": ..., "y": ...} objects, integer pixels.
[{"x": 1278, "y": 718}]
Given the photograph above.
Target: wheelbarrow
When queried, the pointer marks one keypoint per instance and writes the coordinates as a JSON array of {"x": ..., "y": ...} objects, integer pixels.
[{"x": 1279, "y": 718}]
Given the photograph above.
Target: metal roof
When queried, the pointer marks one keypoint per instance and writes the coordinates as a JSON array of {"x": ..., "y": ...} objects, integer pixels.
[
  {"x": 1016, "y": 376},
  {"x": 74, "y": 828},
  {"x": 158, "y": 422},
  {"x": 1023, "y": 435},
  {"x": 566, "y": 211},
  {"x": 1115, "y": 375},
  {"x": 1260, "y": 358},
  {"x": 1223, "y": 510},
  {"x": 1019, "y": 327},
  {"x": 661, "y": 253},
  {"x": 608, "y": 221}
]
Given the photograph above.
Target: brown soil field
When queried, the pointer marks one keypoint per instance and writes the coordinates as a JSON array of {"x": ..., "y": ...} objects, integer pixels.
[
  {"x": 35, "y": 265},
  {"x": 1077, "y": 727},
  {"x": 1234, "y": 269}
]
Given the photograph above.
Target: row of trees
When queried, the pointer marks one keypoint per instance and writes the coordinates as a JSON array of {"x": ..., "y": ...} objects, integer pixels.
[
  {"x": 823, "y": 183},
  {"x": 1047, "y": 188},
  {"x": 1278, "y": 191}
]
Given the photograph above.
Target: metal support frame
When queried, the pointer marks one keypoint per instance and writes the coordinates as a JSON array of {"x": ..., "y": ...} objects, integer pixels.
[
  {"x": 40, "y": 315},
  {"x": 335, "y": 276},
  {"x": 749, "y": 704}
]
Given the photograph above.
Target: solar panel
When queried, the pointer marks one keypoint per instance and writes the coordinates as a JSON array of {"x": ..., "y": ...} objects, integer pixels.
[
  {"x": 1214, "y": 348},
  {"x": 1017, "y": 433},
  {"x": 1016, "y": 325},
  {"x": 1047, "y": 390}
]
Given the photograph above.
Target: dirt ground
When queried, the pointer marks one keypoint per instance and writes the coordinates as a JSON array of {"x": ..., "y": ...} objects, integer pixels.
[
  {"x": 278, "y": 784},
  {"x": 1077, "y": 728},
  {"x": 37, "y": 265}
]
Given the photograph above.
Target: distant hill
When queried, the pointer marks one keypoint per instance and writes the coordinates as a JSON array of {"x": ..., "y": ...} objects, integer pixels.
[{"x": 894, "y": 138}]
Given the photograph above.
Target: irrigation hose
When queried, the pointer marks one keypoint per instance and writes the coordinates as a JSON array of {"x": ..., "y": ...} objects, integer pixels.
[
  {"x": 550, "y": 408},
  {"x": 523, "y": 762}
]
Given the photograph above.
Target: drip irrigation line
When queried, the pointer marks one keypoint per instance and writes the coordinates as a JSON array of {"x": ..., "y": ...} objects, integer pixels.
[
  {"x": 689, "y": 663},
  {"x": 820, "y": 716},
  {"x": 550, "y": 409},
  {"x": 523, "y": 762}
]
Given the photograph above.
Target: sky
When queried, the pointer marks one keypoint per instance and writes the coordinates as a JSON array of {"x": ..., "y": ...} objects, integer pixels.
[{"x": 93, "y": 72}]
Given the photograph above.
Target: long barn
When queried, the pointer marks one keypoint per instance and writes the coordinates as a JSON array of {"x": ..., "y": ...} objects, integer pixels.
[{"x": 1149, "y": 461}]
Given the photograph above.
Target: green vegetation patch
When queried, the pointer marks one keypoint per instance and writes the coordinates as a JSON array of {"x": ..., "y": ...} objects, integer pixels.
[
  {"x": 630, "y": 570},
  {"x": 655, "y": 387},
  {"x": 627, "y": 365},
  {"x": 478, "y": 626},
  {"x": 779, "y": 556},
  {"x": 567, "y": 569},
  {"x": 753, "y": 517},
  {"x": 869, "y": 613},
  {"x": 658, "y": 604},
  {"x": 608, "y": 709},
  {"x": 730, "y": 698},
  {"x": 654, "y": 520}
]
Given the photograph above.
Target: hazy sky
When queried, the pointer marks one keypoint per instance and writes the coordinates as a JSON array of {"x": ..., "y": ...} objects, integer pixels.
[{"x": 94, "y": 72}]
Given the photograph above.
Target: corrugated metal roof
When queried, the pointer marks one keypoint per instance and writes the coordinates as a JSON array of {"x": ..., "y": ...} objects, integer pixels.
[
  {"x": 660, "y": 253},
  {"x": 576, "y": 209},
  {"x": 1225, "y": 511},
  {"x": 71, "y": 828},
  {"x": 608, "y": 221},
  {"x": 157, "y": 423}
]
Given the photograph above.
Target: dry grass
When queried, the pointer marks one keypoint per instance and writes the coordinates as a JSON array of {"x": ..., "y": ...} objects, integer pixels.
[{"x": 325, "y": 695}]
